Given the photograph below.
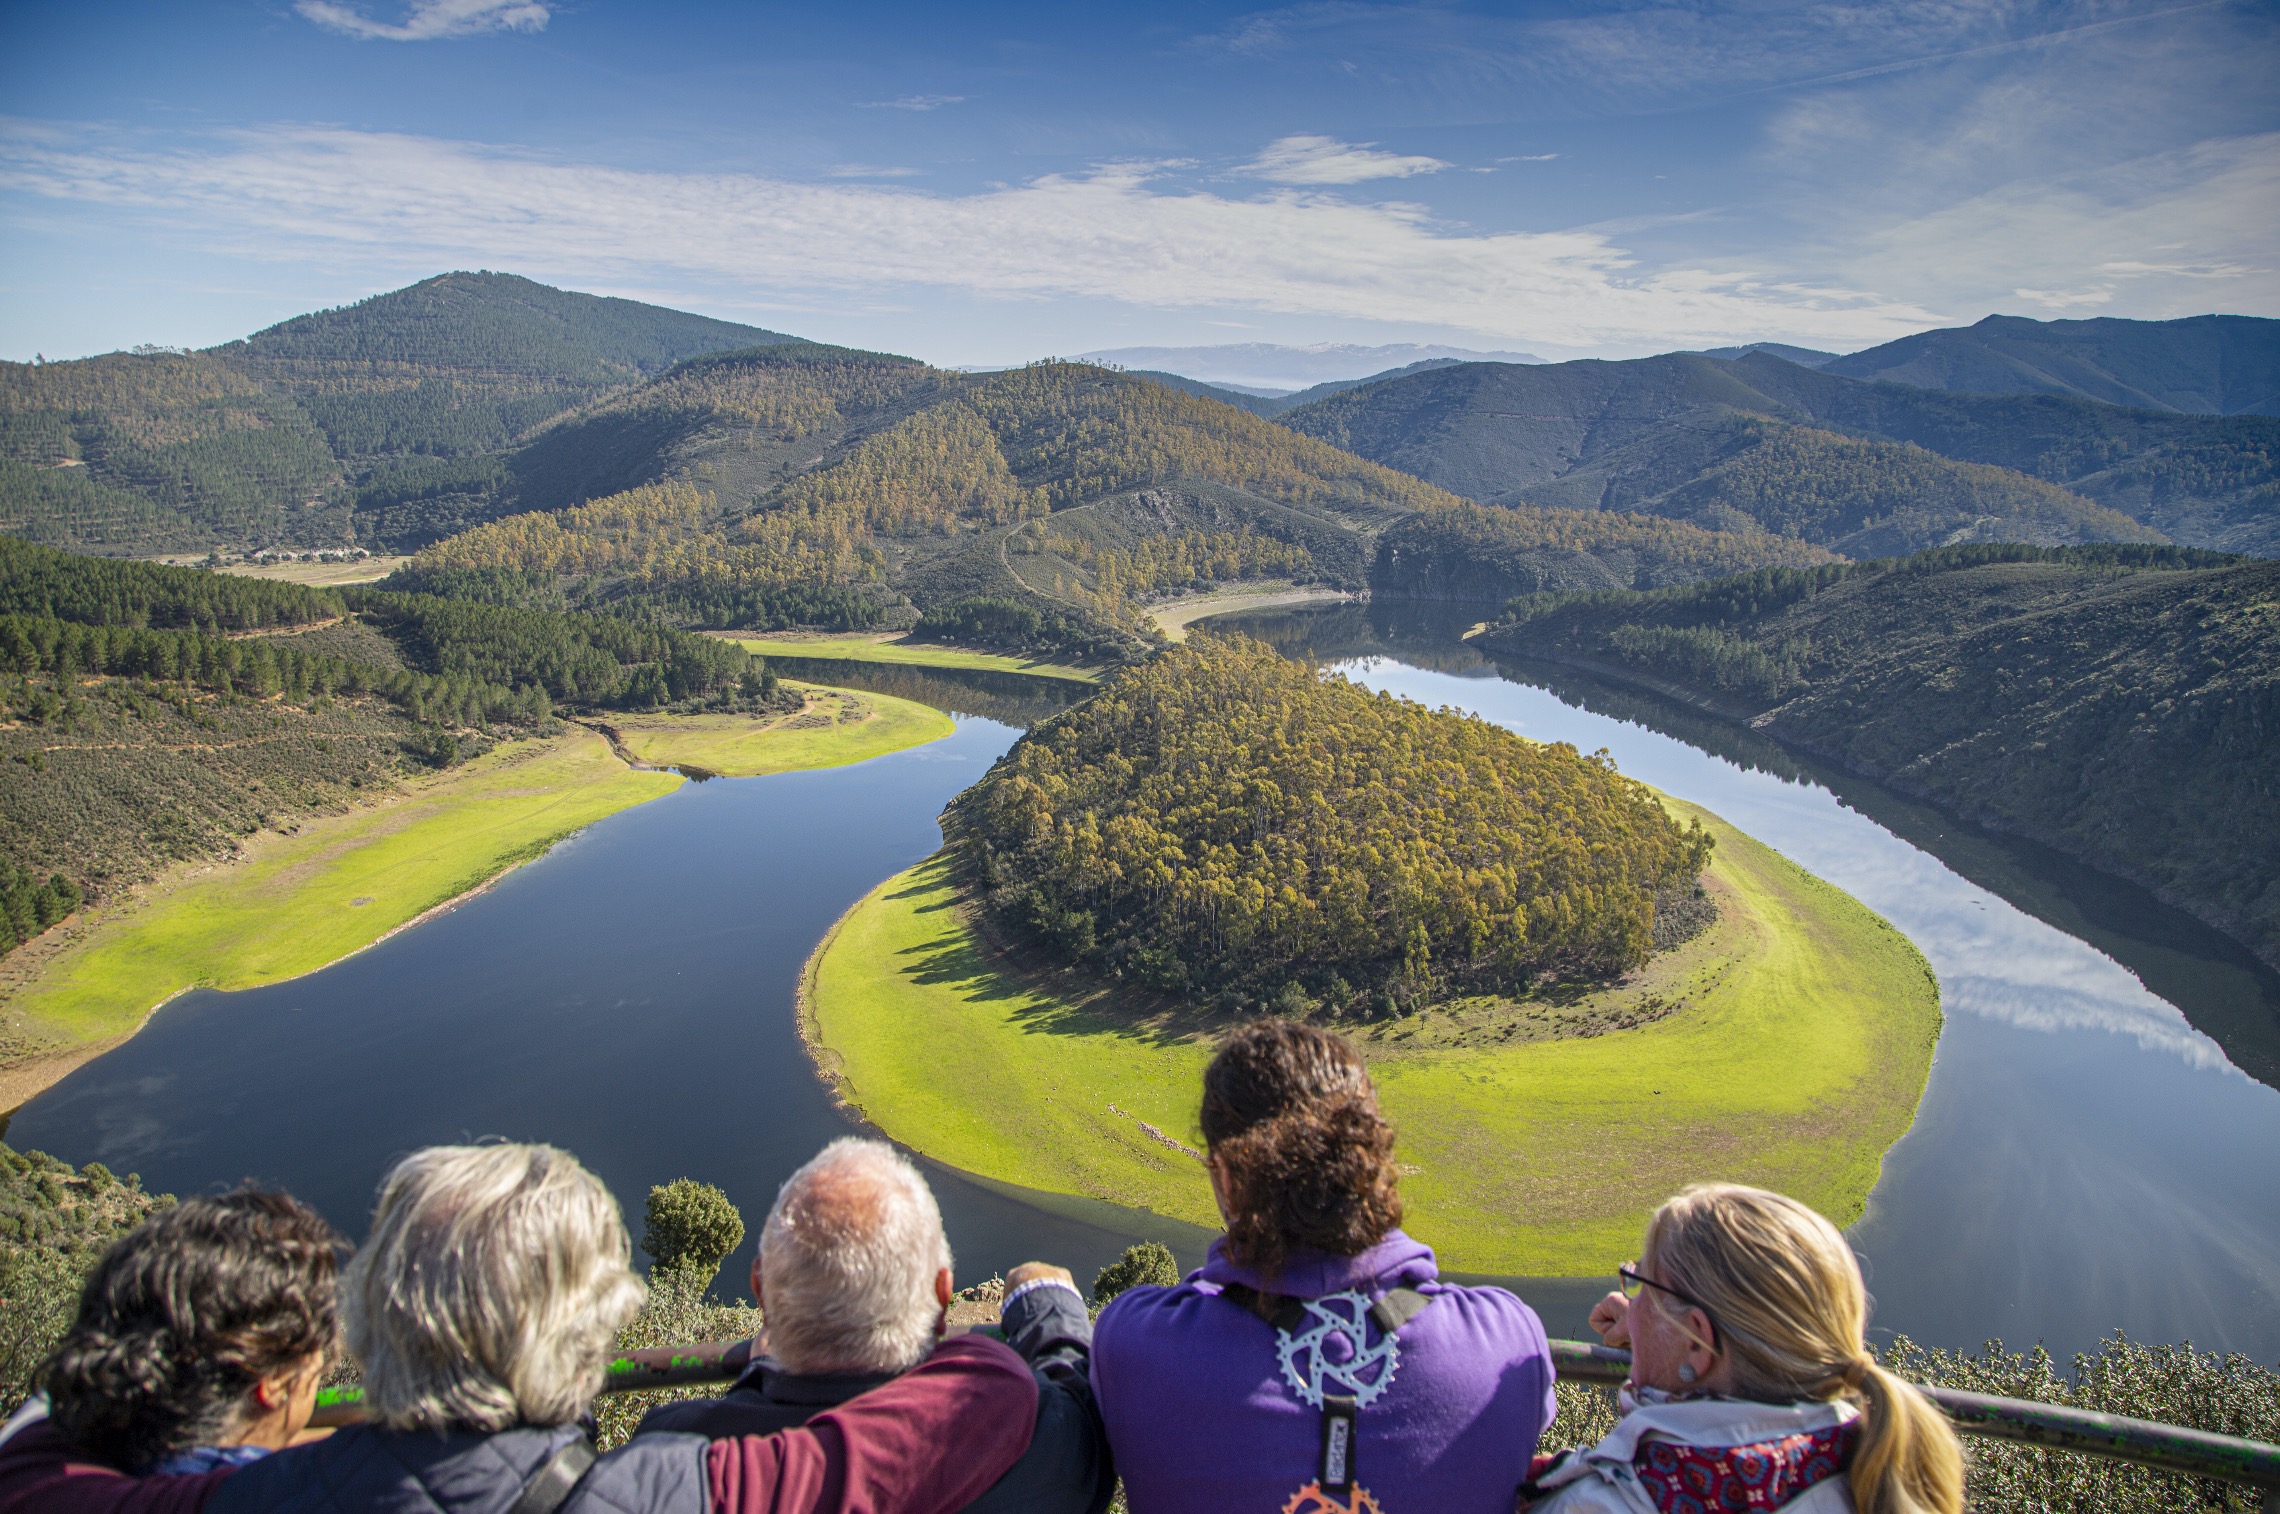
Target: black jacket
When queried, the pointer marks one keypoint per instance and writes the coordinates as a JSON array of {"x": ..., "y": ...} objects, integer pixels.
[
  {"x": 365, "y": 1469},
  {"x": 1066, "y": 1469}
]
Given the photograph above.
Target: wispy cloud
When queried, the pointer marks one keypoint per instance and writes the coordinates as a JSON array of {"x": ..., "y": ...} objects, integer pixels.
[
  {"x": 869, "y": 171},
  {"x": 1326, "y": 160},
  {"x": 431, "y": 20},
  {"x": 1114, "y": 234},
  {"x": 911, "y": 102}
]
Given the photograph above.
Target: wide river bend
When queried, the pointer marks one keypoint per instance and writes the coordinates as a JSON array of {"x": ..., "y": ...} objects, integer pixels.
[{"x": 2088, "y": 1155}]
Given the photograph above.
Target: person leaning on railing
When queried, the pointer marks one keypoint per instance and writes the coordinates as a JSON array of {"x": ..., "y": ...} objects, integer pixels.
[
  {"x": 1750, "y": 1385},
  {"x": 482, "y": 1311},
  {"x": 854, "y": 1273},
  {"x": 199, "y": 1343},
  {"x": 1315, "y": 1362}
]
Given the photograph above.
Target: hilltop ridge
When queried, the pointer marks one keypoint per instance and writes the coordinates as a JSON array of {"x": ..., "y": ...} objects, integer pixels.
[
  {"x": 1636, "y": 434},
  {"x": 2200, "y": 365}
]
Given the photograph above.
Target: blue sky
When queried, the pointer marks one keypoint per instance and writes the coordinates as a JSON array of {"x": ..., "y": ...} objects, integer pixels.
[{"x": 988, "y": 183}]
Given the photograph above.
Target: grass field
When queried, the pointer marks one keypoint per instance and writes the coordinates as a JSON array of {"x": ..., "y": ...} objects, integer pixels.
[
  {"x": 304, "y": 900},
  {"x": 837, "y": 727},
  {"x": 1793, "y": 1056},
  {"x": 364, "y": 570},
  {"x": 865, "y": 647},
  {"x": 299, "y": 902}
]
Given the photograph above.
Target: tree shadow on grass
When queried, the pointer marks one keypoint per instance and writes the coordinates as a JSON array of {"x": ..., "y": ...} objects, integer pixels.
[{"x": 987, "y": 968}]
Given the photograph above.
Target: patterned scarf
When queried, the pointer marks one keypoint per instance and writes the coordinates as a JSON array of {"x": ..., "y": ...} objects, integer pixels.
[{"x": 1733, "y": 1479}]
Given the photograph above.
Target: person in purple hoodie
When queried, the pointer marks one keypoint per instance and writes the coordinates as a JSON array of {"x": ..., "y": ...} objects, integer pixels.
[{"x": 1315, "y": 1363}]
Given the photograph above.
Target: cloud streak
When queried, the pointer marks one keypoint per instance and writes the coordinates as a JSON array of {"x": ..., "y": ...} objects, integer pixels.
[
  {"x": 1115, "y": 234},
  {"x": 912, "y": 102},
  {"x": 1326, "y": 160},
  {"x": 431, "y": 20}
]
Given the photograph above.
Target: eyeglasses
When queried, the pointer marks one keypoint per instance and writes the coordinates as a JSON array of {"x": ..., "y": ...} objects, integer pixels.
[{"x": 1633, "y": 1280}]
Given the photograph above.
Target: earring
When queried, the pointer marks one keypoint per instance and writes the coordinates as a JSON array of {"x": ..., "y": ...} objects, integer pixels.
[{"x": 1686, "y": 1372}]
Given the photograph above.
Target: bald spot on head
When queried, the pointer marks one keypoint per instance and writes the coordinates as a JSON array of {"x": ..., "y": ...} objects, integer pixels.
[
  {"x": 833, "y": 1204},
  {"x": 848, "y": 1261}
]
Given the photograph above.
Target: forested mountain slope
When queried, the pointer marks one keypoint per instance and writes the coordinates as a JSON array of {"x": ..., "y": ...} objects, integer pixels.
[
  {"x": 801, "y": 484},
  {"x": 2120, "y": 703},
  {"x": 381, "y": 422},
  {"x": 151, "y": 715},
  {"x": 1633, "y": 435},
  {"x": 143, "y": 451},
  {"x": 2203, "y": 365}
]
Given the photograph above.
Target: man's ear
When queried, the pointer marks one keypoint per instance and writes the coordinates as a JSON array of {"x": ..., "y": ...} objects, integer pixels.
[
  {"x": 759, "y": 1301},
  {"x": 942, "y": 1289}
]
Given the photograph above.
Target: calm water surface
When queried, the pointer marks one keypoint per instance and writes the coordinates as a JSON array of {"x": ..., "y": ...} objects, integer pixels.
[
  {"x": 628, "y": 997},
  {"x": 2090, "y": 1153}
]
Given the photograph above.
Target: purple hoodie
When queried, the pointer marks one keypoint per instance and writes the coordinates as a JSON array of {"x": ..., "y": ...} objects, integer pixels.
[{"x": 1204, "y": 1419}]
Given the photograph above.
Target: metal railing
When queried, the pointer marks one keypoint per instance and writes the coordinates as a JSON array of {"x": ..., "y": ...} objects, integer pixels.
[{"x": 2083, "y": 1432}]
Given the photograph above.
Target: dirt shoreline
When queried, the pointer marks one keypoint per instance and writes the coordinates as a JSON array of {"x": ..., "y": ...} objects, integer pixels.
[{"x": 1174, "y": 619}]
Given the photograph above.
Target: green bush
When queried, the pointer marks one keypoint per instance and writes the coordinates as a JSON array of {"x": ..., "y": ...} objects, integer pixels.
[
  {"x": 1148, "y": 1263},
  {"x": 2176, "y": 1385},
  {"x": 678, "y": 1313},
  {"x": 54, "y": 1223},
  {"x": 691, "y": 1228}
]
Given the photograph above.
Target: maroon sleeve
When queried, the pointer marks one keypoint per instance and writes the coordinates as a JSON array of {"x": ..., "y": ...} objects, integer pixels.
[
  {"x": 41, "y": 1474},
  {"x": 928, "y": 1442}
]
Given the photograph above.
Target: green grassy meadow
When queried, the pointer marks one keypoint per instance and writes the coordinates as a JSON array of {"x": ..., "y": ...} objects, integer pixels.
[
  {"x": 864, "y": 647},
  {"x": 302, "y": 901},
  {"x": 838, "y": 726},
  {"x": 1794, "y": 1056}
]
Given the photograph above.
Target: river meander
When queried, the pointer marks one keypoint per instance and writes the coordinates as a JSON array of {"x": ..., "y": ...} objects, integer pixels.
[{"x": 2089, "y": 1154}]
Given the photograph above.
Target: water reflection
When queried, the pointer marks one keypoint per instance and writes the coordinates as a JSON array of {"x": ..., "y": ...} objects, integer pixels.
[
  {"x": 1015, "y": 699},
  {"x": 2088, "y": 1156}
]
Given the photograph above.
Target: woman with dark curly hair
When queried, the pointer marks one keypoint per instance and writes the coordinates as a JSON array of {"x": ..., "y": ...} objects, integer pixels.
[
  {"x": 1315, "y": 1363},
  {"x": 201, "y": 1337}
]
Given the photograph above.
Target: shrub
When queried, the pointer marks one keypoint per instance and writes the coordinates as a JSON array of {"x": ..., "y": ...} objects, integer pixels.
[
  {"x": 690, "y": 1228},
  {"x": 2176, "y": 1385},
  {"x": 1148, "y": 1263},
  {"x": 678, "y": 1313}
]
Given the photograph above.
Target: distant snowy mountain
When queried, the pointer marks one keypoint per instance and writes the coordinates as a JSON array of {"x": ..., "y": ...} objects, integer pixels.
[{"x": 1280, "y": 370}]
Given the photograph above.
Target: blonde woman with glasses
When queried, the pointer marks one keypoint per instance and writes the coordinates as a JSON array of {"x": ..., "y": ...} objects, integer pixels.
[{"x": 1751, "y": 1387}]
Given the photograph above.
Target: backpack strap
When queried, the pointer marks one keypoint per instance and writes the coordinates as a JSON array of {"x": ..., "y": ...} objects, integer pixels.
[
  {"x": 1280, "y": 1310},
  {"x": 1397, "y": 1308},
  {"x": 550, "y": 1487}
]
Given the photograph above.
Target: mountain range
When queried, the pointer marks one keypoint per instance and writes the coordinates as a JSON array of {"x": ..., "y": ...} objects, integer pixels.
[
  {"x": 603, "y": 452},
  {"x": 1272, "y": 370},
  {"x": 1868, "y": 468},
  {"x": 2202, "y": 365}
]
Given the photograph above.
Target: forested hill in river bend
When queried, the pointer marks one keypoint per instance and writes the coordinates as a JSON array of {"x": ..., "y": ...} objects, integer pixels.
[
  {"x": 1866, "y": 468},
  {"x": 317, "y": 431},
  {"x": 2121, "y": 704}
]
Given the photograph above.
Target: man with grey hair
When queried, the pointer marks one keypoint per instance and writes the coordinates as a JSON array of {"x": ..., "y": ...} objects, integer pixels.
[{"x": 853, "y": 1274}]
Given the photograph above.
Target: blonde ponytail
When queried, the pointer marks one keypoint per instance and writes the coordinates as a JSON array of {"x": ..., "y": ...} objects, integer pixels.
[
  {"x": 1791, "y": 1313},
  {"x": 1908, "y": 1459}
]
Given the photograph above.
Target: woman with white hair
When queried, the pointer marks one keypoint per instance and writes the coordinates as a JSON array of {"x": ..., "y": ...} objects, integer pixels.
[
  {"x": 483, "y": 1309},
  {"x": 1750, "y": 1385}
]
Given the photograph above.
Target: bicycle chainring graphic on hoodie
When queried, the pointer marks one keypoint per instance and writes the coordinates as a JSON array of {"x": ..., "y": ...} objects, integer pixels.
[{"x": 1333, "y": 1347}]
